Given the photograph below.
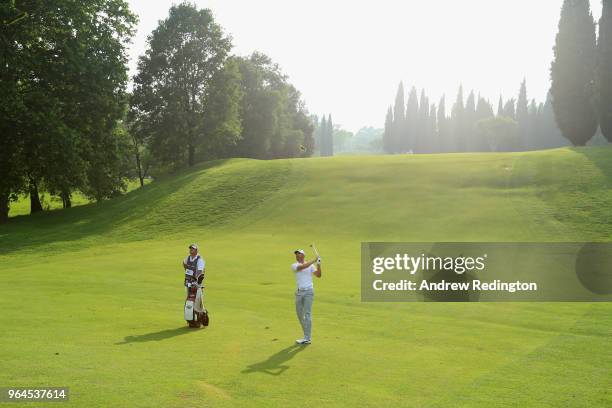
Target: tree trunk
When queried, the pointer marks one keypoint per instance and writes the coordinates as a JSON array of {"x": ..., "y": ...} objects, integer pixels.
[
  {"x": 191, "y": 155},
  {"x": 138, "y": 164},
  {"x": 140, "y": 175},
  {"x": 35, "y": 204},
  {"x": 4, "y": 208},
  {"x": 145, "y": 174},
  {"x": 66, "y": 202}
]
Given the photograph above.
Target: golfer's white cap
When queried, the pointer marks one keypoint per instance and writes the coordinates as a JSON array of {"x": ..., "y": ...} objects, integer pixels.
[
  {"x": 194, "y": 246},
  {"x": 299, "y": 251}
]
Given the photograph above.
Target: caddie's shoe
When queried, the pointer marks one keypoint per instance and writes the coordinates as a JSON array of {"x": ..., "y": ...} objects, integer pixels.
[{"x": 303, "y": 341}]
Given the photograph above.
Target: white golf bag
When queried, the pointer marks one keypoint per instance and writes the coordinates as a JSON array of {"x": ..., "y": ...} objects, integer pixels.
[{"x": 195, "y": 313}]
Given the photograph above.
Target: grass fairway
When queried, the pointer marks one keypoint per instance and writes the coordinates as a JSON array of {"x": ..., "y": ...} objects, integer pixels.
[{"x": 92, "y": 297}]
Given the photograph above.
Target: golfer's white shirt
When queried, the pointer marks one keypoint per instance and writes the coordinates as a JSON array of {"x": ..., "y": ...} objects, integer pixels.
[{"x": 303, "y": 277}]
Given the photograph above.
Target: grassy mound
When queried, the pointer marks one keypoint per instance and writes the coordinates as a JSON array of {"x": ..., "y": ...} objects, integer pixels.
[{"x": 92, "y": 296}]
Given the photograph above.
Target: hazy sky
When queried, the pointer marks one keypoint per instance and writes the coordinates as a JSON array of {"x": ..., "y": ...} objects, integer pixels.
[{"x": 347, "y": 57}]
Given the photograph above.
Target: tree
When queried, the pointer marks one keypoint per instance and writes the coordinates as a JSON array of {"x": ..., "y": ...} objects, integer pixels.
[
  {"x": 222, "y": 121},
  {"x": 444, "y": 130},
  {"x": 458, "y": 123},
  {"x": 323, "y": 133},
  {"x": 573, "y": 73},
  {"x": 422, "y": 139},
  {"x": 139, "y": 148},
  {"x": 388, "y": 134},
  {"x": 12, "y": 108},
  {"x": 604, "y": 70},
  {"x": 329, "y": 137},
  {"x": 470, "y": 123},
  {"x": 275, "y": 122},
  {"x": 186, "y": 51},
  {"x": 484, "y": 110},
  {"x": 409, "y": 136},
  {"x": 432, "y": 131},
  {"x": 499, "y": 132},
  {"x": 314, "y": 119},
  {"x": 399, "y": 121},
  {"x": 299, "y": 139},
  {"x": 551, "y": 135},
  {"x": 68, "y": 91},
  {"x": 522, "y": 116},
  {"x": 342, "y": 139},
  {"x": 308, "y": 146},
  {"x": 109, "y": 164},
  {"x": 262, "y": 82},
  {"x": 369, "y": 139},
  {"x": 12, "y": 180},
  {"x": 509, "y": 110},
  {"x": 533, "y": 126}
]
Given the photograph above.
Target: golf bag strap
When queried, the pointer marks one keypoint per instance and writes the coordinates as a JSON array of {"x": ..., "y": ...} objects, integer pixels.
[{"x": 193, "y": 265}]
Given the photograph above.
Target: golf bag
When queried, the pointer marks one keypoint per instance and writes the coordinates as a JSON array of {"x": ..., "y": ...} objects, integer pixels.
[{"x": 195, "y": 313}]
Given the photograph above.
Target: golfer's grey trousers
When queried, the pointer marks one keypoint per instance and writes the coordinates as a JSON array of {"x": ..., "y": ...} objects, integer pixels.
[{"x": 303, "y": 308}]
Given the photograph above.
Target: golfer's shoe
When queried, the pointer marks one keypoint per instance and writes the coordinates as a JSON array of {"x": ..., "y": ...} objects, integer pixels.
[{"x": 303, "y": 341}]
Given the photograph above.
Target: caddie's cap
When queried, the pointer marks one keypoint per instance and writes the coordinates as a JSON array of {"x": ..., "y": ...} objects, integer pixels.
[{"x": 193, "y": 246}]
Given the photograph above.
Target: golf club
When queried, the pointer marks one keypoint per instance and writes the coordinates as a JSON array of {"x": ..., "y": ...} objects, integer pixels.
[{"x": 315, "y": 250}]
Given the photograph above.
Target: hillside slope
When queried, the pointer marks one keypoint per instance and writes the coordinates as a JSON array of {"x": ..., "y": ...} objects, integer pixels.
[
  {"x": 561, "y": 194},
  {"x": 92, "y": 296}
]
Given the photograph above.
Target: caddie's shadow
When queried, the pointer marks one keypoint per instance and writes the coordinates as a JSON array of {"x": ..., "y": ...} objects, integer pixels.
[
  {"x": 274, "y": 365},
  {"x": 158, "y": 336}
]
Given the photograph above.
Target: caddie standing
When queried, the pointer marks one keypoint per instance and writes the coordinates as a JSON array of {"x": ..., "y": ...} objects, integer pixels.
[
  {"x": 304, "y": 294},
  {"x": 194, "y": 271}
]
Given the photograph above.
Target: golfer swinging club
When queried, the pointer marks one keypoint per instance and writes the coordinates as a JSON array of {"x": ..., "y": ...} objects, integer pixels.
[{"x": 305, "y": 293}]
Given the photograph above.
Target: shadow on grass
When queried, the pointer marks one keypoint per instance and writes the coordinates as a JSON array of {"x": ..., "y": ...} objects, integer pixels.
[
  {"x": 274, "y": 365},
  {"x": 600, "y": 157},
  {"x": 158, "y": 336},
  {"x": 95, "y": 219}
]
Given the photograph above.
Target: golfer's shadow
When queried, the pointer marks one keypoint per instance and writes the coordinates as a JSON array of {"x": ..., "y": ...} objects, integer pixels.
[
  {"x": 158, "y": 336},
  {"x": 274, "y": 365}
]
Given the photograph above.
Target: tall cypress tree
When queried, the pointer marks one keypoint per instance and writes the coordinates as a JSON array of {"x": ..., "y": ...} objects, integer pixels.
[
  {"x": 500, "y": 106},
  {"x": 551, "y": 134},
  {"x": 323, "y": 136},
  {"x": 388, "y": 135},
  {"x": 470, "y": 122},
  {"x": 604, "y": 70},
  {"x": 432, "y": 131},
  {"x": 522, "y": 115},
  {"x": 412, "y": 117},
  {"x": 317, "y": 132},
  {"x": 458, "y": 123},
  {"x": 443, "y": 127},
  {"x": 573, "y": 73},
  {"x": 421, "y": 136},
  {"x": 399, "y": 120},
  {"x": 484, "y": 110},
  {"x": 533, "y": 130},
  {"x": 330, "y": 136},
  {"x": 509, "y": 110}
]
